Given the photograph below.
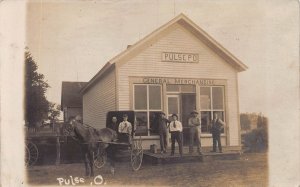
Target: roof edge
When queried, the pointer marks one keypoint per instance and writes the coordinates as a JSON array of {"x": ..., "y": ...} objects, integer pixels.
[
  {"x": 111, "y": 63},
  {"x": 103, "y": 70}
]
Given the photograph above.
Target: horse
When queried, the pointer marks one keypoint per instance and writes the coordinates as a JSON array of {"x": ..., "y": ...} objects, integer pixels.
[{"x": 89, "y": 140}]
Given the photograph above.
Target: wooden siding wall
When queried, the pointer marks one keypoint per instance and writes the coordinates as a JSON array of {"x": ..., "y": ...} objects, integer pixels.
[
  {"x": 99, "y": 100},
  {"x": 148, "y": 63}
]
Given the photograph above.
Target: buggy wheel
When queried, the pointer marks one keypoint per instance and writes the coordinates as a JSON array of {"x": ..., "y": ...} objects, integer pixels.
[
  {"x": 100, "y": 160},
  {"x": 33, "y": 153},
  {"x": 136, "y": 154},
  {"x": 27, "y": 156}
]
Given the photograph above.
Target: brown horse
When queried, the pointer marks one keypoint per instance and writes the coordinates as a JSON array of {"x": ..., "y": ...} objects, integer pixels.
[{"x": 89, "y": 139}]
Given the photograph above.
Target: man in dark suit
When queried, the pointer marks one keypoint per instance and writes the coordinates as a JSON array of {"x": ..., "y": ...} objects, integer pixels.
[
  {"x": 114, "y": 125},
  {"x": 216, "y": 128},
  {"x": 163, "y": 131}
]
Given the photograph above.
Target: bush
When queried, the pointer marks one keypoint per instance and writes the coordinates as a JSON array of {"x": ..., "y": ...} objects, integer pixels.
[{"x": 256, "y": 140}]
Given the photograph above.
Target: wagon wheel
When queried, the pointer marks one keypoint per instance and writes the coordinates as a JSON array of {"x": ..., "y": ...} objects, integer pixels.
[
  {"x": 33, "y": 153},
  {"x": 100, "y": 159},
  {"x": 27, "y": 156},
  {"x": 136, "y": 154}
]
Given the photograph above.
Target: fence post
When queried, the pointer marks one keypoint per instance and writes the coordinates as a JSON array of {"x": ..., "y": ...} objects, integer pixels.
[{"x": 57, "y": 151}]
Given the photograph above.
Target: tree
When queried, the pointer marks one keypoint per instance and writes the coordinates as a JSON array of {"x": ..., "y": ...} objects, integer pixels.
[
  {"x": 54, "y": 112},
  {"x": 262, "y": 121},
  {"x": 245, "y": 121},
  {"x": 36, "y": 104}
]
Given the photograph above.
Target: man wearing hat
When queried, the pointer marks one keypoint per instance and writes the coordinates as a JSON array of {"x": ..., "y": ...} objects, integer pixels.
[
  {"x": 125, "y": 129},
  {"x": 195, "y": 131},
  {"x": 176, "y": 134},
  {"x": 163, "y": 131},
  {"x": 217, "y": 125}
]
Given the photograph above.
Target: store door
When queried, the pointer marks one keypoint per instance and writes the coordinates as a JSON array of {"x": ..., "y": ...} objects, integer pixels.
[
  {"x": 173, "y": 106},
  {"x": 188, "y": 104},
  {"x": 182, "y": 105}
]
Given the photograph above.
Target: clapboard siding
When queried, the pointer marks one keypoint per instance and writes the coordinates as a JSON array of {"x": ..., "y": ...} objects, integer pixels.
[
  {"x": 148, "y": 63},
  {"x": 99, "y": 100}
]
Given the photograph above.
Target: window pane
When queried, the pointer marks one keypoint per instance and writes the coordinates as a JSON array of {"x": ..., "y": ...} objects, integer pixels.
[
  {"x": 188, "y": 88},
  {"x": 140, "y": 97},
  {"x": 154, "y": 116},
  {"x": 141, "y": 124},
  {"x": 205, "y": 98},
  {"x": 173, "y": 105},
  {"x": 155, "y": 97},
  {"x": 205, "y": 122},
  {"x": 172, "y": 88},
  {"x": 220, "y": 116},
  {"x": 217, "y": 94}
]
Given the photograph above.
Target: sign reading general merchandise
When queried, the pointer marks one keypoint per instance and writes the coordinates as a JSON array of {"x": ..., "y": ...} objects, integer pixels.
[
  {"x": 180, "y": 57},
  {"x": 160, "y": 80}
]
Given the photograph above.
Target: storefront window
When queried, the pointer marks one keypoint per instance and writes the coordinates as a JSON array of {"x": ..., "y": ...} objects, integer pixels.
[
  {"x": 147, "y": 103},
  {"x": 205, "y": 100},
  {"x": 153, "y": 118},
  {"x": 140, "y": 99},
  {"x": 220, "y": 116},
  {"x": 205, "y": 121},
  {"x": 217, "y": 95},
  {"x": 154, "y": 98},
  {"x": 141, "y": 124},
  {"x": 211, "y": 101}
]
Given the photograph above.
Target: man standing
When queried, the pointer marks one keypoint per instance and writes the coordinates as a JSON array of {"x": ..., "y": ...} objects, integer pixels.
[
  {"x": 216, "y": 129},
  {"x": 163, "y": 131},
  {"x": 176, "y": 134},
  {"x": 125, "y": 129},
  {"x": 195, "y": 131},
  {"x": 114, "y": 125}
]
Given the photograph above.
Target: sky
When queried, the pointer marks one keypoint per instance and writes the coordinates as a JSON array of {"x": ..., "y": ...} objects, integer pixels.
[{"x": 72, "y": 40}]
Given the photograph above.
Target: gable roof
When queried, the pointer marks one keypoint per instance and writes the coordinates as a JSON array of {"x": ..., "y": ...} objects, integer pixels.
[
  {"x": 70, "y": 94},
  {"x": 188, "y": 24}
]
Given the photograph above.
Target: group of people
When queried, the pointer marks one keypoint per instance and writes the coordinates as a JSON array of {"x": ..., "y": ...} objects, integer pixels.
[
  {"x": 175, "y": 128},
  {"x": 124, "y": 129}
]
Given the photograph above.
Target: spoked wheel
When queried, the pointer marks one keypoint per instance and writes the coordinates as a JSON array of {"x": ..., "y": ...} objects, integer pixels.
[
  {"x": 100, "y": 159},
  {"x": 33, "y": 153},
  {"x": 27, "y": 156},
  {"x": 136, "y": 154}
]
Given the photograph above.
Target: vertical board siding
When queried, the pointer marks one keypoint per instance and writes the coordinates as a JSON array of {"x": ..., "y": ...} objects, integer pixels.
[
  {"x": 148, "y": 63},
  {"x": 99, "y": 100}
]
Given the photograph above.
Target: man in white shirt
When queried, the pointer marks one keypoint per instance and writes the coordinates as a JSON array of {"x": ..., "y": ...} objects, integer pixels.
[
  {"x": 125, "y": 129},
  {"x": 176, "y": 134}
]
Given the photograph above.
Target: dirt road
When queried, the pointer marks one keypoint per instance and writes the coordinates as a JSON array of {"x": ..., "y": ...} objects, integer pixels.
[{"x": 250, "y": 170}]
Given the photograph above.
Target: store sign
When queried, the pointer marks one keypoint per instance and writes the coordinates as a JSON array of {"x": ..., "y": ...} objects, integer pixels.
[
  {"x": 159, "y": 80},
  {"x": 180, "y": 57}
]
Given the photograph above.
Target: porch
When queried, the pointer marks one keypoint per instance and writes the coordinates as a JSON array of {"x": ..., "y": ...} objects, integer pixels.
[{"x": 166, "y": 158}]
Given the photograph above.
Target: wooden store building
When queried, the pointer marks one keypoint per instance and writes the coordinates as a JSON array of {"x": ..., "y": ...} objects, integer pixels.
[{"x": 177, "y": 68}]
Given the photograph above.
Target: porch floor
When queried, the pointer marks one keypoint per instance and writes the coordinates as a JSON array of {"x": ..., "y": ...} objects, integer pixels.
[{"x": 159, "y": 158}]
